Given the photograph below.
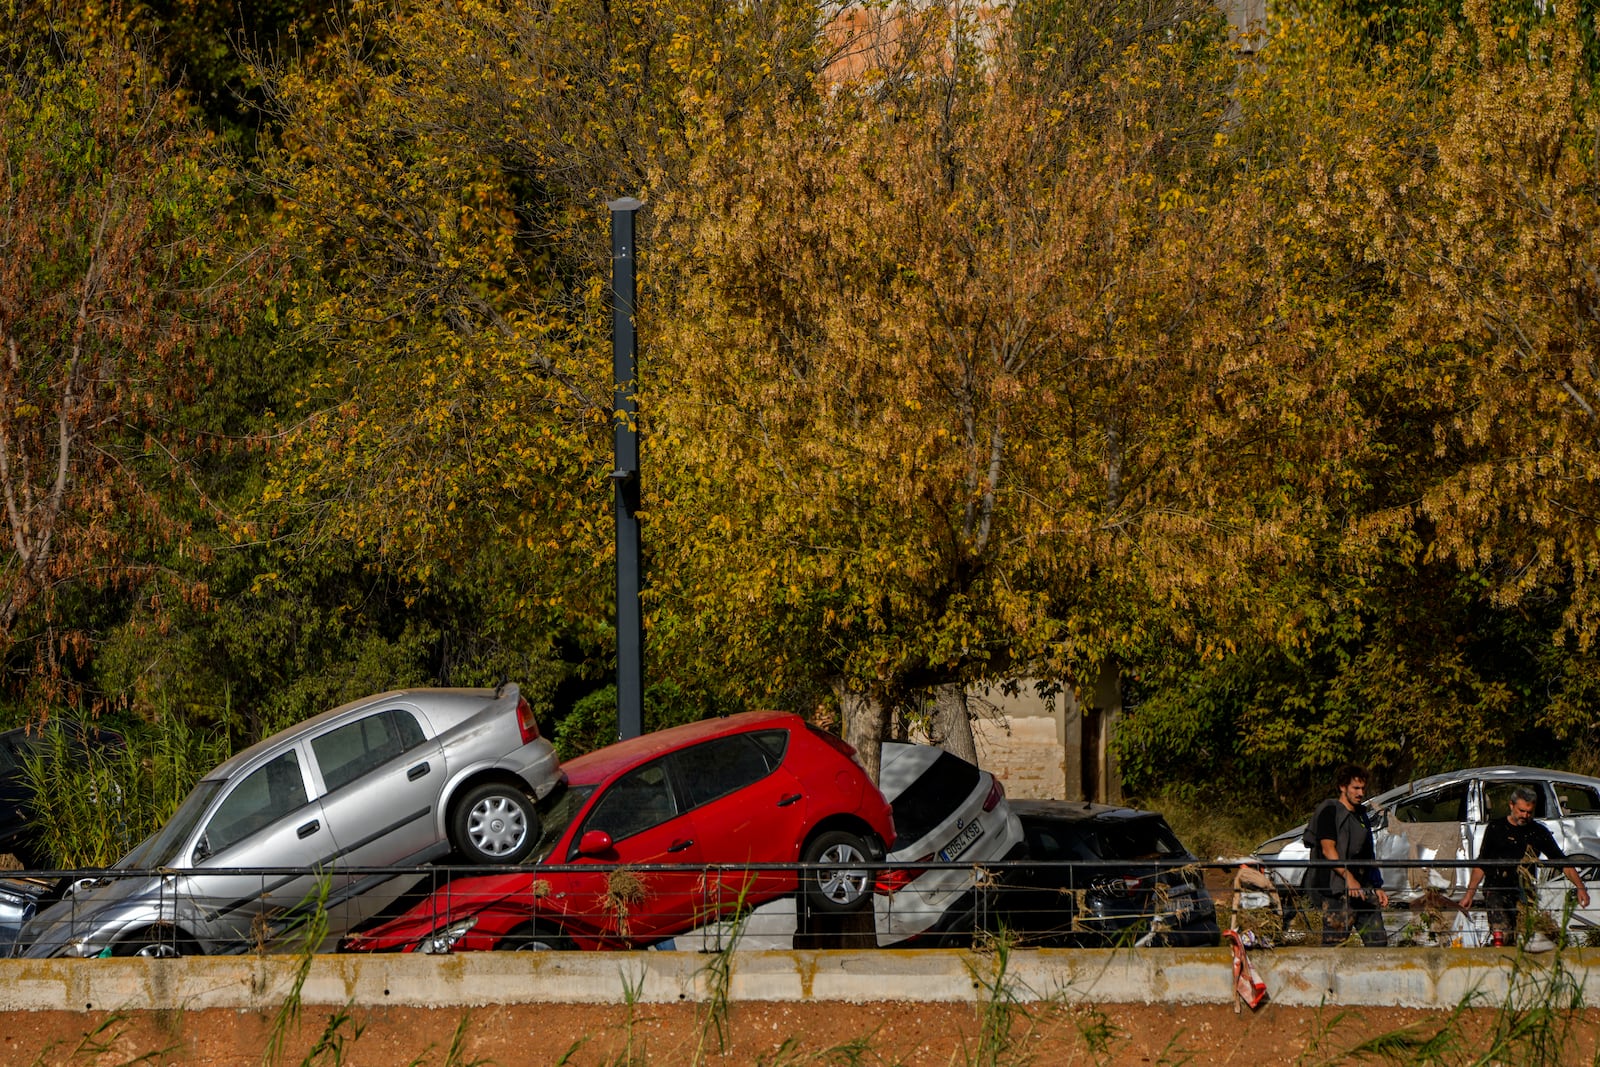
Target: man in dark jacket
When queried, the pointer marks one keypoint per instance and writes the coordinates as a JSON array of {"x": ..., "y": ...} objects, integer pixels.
[
  {"x": 1515, "y": 839},
  {"x": 1351, "y": 891}
]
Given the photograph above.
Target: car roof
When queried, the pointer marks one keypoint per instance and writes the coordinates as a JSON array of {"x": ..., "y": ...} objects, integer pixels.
[
  {"x": 427, "y": 698},
  {"x": 602, "y": 763},
  {"x": 1079, "y": 811},
  {"x": 1501, "y": 771}
]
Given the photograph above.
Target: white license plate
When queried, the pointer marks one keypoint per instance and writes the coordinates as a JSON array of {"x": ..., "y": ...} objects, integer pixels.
[{"x": 962, "y": 841}]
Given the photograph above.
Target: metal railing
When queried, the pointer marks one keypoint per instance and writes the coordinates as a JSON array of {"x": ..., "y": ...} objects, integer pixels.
[{"x": 170, "y": 911}]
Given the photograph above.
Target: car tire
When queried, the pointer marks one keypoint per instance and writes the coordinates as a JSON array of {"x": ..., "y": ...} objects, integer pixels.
[
  {"x": 843, "y": 888},
  {"x": 493, "y": 823},
  {"x": 534, "y": 937},
  {"x": 156, "y": 942}
]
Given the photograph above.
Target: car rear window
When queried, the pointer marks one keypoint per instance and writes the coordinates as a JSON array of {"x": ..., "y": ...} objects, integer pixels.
[
  {"x": 1141, "y": 839},
  {"x": 933, "y": 797}
]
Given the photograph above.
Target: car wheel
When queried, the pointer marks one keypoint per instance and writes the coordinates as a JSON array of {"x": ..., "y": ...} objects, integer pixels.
[
  {"x": 845, "y": 884},
  {"x": 493, "y": 823},
  {"x": 156, "y": 942},
  {"x": 534, "y": 937}
]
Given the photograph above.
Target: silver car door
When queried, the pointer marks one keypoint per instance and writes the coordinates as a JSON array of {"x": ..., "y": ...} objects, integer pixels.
[
  {"x": 1434, "y": 824},
  {"x": 267, "y": 819},
  {"x": 1577, "y": 820},
  {"x": 383, "y": 777}
]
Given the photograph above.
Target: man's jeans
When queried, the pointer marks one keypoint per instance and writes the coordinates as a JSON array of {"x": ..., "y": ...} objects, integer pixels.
[{"x": 1343, "y": 914}]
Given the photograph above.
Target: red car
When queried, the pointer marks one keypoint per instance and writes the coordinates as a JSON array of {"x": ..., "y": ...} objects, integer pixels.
[{"x": 761, "y": 787}]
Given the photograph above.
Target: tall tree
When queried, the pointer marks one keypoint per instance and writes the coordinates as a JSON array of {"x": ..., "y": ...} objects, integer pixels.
[
  {"x": 962, "y": 358},
  {"x": 114, "y": 239}
]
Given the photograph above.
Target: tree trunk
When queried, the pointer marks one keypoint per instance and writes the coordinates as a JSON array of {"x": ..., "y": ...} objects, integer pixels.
[
  {"x": 952, "y": 722},
  {"x": 865, "y": 720}
]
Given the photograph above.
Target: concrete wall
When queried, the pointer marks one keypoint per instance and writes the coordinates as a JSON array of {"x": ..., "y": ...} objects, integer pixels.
[
  {"x": 1050, "y": 747},
  {"x": 1418, "y": 978}
]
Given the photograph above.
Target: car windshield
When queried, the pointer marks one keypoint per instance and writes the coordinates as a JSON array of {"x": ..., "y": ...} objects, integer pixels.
[
  {"x": 160, "y": 849},
  {"x": 556, "y": 813}
]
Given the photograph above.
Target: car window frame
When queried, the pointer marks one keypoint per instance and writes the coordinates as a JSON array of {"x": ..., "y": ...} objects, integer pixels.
[
  {"x": 235, "y": 782},
  {"x": 1542, "y": 785},
  {"x": 1558, "y": 787},
  {"x": 320, "y": 779},
  {"x": 674, "y": 788},
  {"x": 1471, "y": 799},
  {"x": 685, "y": 795}
]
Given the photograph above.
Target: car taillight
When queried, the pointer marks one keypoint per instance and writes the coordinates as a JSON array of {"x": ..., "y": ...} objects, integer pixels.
[
  {"x": 997, "y": 793},
  {"x": 890, "y": 882},
  {"x": 526, "y": 721}
]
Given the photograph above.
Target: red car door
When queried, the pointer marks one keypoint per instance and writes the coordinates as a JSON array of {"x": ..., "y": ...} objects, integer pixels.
[
  {"x": 746, "y": 808},
  {"x": 616, "y": 903}
]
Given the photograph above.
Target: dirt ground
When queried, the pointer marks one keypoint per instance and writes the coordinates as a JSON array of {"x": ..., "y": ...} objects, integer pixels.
[{"x": 766, "y": 1034}]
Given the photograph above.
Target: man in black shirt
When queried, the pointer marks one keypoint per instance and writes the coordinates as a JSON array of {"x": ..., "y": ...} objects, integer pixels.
[
  {"x": 1516, "y": 838},
  {"x": 1351, "y": 892}
]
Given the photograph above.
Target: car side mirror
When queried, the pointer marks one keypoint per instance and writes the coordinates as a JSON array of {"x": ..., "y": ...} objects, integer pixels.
[
  {"x": 594, "y": 843},
  {"x": 1379, "y": 819},
  {"x": 202, "y": 851}
]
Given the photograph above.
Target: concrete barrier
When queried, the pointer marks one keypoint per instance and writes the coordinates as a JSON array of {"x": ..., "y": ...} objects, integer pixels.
[{"x": 1413, "y": 977}]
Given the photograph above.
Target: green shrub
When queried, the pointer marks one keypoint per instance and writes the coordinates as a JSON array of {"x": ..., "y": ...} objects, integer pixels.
[
  {"x": 592, "y": 722},
  {"x": 92, "y": 809}
]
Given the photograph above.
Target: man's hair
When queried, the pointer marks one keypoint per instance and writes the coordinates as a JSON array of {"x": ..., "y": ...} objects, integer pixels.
[
  {"x": 1524, "y": 794},
  {"x": 1347, "y": 774}
]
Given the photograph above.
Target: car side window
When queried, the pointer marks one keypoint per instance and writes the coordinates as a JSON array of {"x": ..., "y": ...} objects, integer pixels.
[
  {"x": 721, "y": 766},
  {"x": 410, "y": 731},
  {"x": 1440, "y": 805},
  {"x": 638, "y": 800},
  {"x": 352, "y": 750},
  {"x": 1497, "y": 799},
  {"x": 264, "y": 796},
  {"x": 1577, "y": 799}
]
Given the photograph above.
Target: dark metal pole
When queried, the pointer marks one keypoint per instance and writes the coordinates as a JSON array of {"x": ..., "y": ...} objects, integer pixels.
[{"x": 625, "y": 478}]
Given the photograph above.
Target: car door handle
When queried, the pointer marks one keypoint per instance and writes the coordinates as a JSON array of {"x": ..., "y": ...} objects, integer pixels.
[
  {"x": 309, "y": 828},
  {"x": 679, "y": 846},
  {"x": 417, "y": 772},
  {"x": 792, "y": 798}
]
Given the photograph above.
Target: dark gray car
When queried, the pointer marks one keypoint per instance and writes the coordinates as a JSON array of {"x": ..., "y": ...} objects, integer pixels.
[{"x": 397, "y": 779}]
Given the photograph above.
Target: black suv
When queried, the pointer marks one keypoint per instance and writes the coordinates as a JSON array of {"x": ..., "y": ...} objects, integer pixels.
[{"x": 1098, "y": 875}]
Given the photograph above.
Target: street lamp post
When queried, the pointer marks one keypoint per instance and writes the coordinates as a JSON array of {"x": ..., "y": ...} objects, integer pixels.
[{"x": 625, "y": 475}]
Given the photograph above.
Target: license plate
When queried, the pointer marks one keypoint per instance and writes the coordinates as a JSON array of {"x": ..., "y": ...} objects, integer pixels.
[
  {"x": 1179, "y": 906},
  {"x": 962, "y": 841}
]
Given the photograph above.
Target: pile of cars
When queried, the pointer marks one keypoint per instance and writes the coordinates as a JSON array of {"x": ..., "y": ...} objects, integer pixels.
[{"x": 318, "y": 832}]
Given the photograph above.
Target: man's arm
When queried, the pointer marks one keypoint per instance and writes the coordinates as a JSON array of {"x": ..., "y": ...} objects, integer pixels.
[
  {"x": 1472, "y": 887},
  {"x": 1576, "y": 879},
  {"x": 1555, "y": 852},
  {"x": 1330, "y": 851}
]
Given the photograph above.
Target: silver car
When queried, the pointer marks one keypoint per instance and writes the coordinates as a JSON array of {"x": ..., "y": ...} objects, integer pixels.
[
  {"x": 397, "y": 779},
  {"x": 1444, "y": 816}
]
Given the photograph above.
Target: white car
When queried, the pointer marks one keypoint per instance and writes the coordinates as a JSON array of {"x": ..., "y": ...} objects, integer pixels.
[
  {"x": 946, "y": 811},
  {"x": 1443, "y": 818}
]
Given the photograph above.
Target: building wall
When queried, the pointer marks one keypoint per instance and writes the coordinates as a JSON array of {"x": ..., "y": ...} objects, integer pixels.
[{"x": 1049, "y": 747}]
